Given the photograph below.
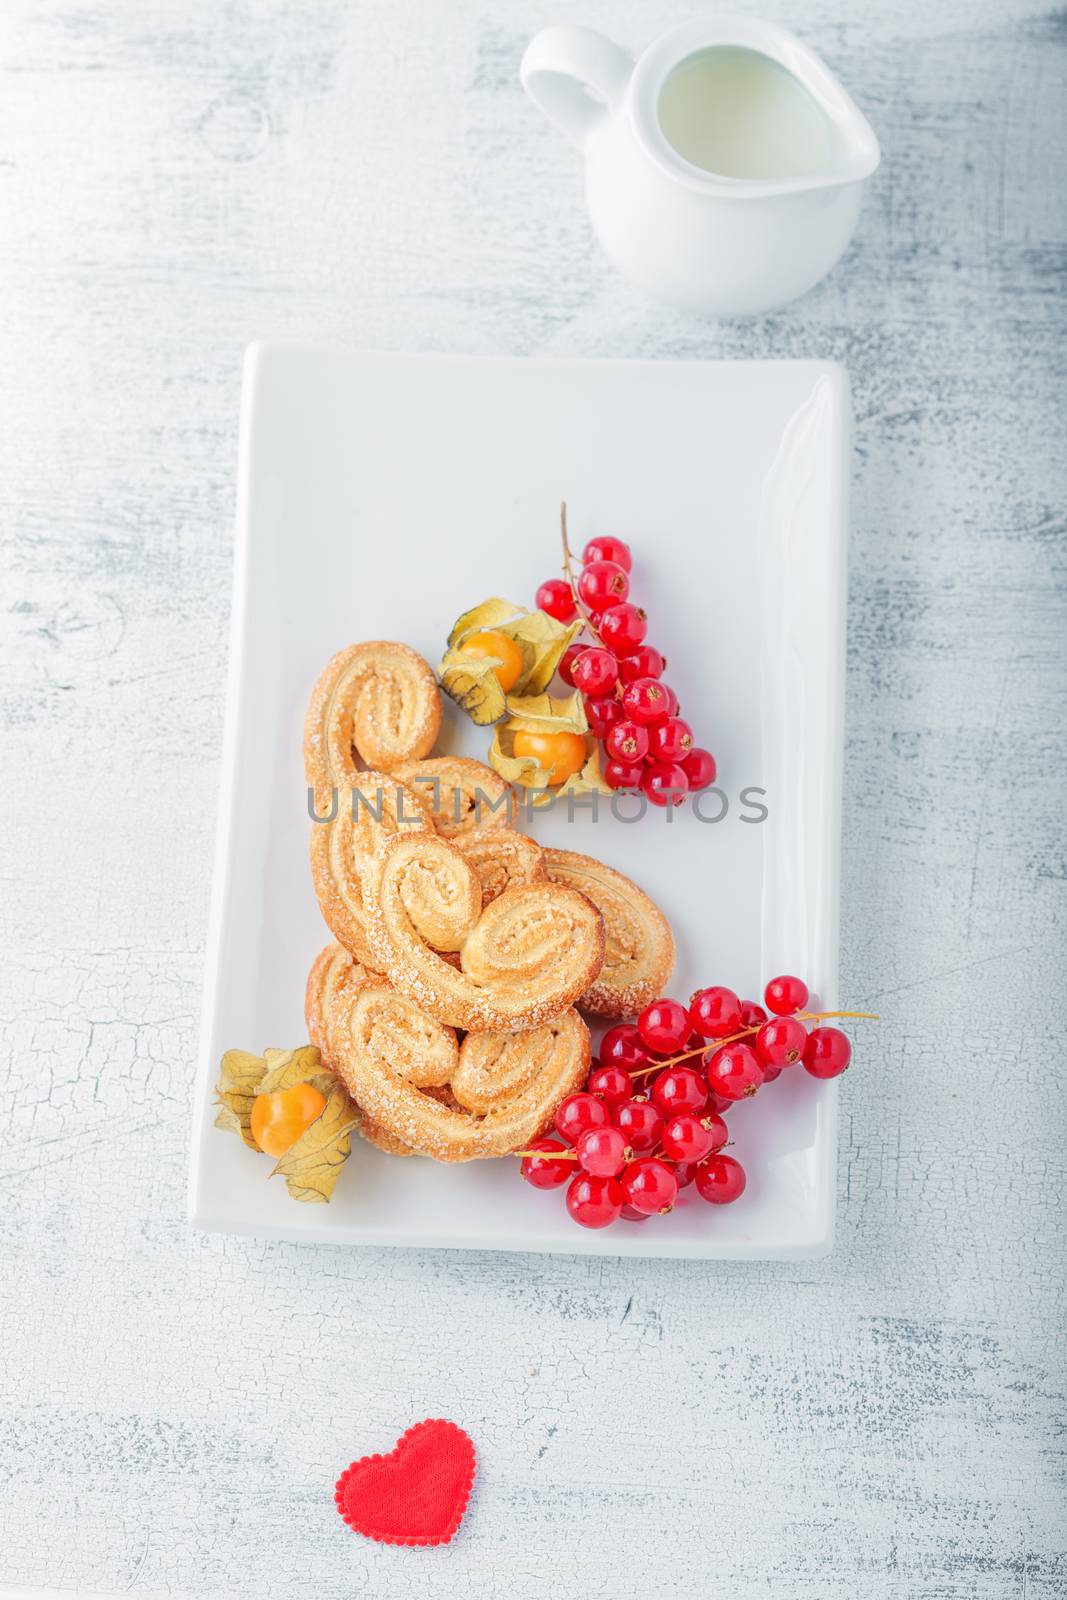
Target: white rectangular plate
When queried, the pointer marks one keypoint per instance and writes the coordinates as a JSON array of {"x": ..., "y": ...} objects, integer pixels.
[{"x": 382, "y": 495}]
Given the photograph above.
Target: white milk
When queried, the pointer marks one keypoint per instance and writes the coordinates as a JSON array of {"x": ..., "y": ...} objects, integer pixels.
[{"x": 737, "y": 113}]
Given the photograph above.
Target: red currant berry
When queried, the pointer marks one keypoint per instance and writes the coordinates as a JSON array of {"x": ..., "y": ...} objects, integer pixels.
[
  {"x": 623, "y": 774},
  {"x": 610, "y": 1084},
  {"x": 679, "y": 1089},
  {"x": 781, "y": 1041},
  {"x": 733, "y": 1071},
  {"x": 671, "y": 741},
  {"x": 699, "y": 768},
  {"x": 628, "y": 1214},
  {"x": 640, "y": 1123},
  {"x": 664, "y": 784},
  {"x": 627, "y": 741},
  {"x": 622, "y": 1046},
  {"x": 684, "y": 1173},
  {"x": 672, "y": 700},
  {"x": 594, "y": 1201},
  {"x": 607, "y": 548},
  {"x": 603, "y": 1151},
  {"x": 603, "y": 584},
  {"x": 720, "y": 1179},
  {"x": 595, "y": 671},
  {"x": 715, "y": 1012},
  {"x": 644, "y": 663},
  {"x": 556, "y": 599},
  {"x": 827, "y": 1053},
  {"x": 717, "y": 1128},
  {"x": 685, "y": 1138},
  {"x": 578, "y": 1113},
  {"x": 542, "y": 1170},
  {"x": 644, "y": 701},
  {"x": 754, "y": 1016},
  {"x": 567, "y": 660},
  {"x": 786, "y": 996},
  {"x": 719, "y": 1104},
  {"x": 622, "y": 628},
  {"x": 664, "y": 1026},
  {"x": 650, "y": 1186},
  {"x": 602, "y": 715}
]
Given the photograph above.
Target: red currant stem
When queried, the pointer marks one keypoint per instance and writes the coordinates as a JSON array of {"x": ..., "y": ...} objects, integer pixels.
[
  {"x": 818, "y": 1016},
  {"x": 659, "y": 1154},
  {"x": 568, "y": 570},
  {"x": 568, "y": 573},
  {"x": 697, "y": 1050},
  {"x": 745, "y": 1033},
  {"x": 547, "y": 1155}
]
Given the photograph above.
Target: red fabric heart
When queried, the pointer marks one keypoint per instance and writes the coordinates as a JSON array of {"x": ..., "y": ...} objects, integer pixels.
[{"x": 416, "y": 1494}]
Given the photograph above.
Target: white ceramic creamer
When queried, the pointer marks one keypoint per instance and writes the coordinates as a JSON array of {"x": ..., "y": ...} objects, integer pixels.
[{"x": 724, "y": 168}]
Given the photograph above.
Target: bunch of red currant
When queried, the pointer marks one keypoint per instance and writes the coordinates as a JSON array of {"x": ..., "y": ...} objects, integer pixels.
[
  {"x": 650, "y": 1120},
  {"x": 629, "y": 708}
]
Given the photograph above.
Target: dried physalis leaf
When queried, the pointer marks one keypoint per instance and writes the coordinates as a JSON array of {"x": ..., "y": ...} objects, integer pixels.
[
  {"x": 468, "y": 670},
  {"x": 543, "y": 640},
  {"x": 240, "y": 1075},
  {"x": 287, "y": 1067},
  {"x": 471, "y": 681},
  {"x": 313, "y": 1162},
  {"x": 312, "y": 1166},
  {"x": 546, "y": 713},
  {"x": 486, "y": 616}
]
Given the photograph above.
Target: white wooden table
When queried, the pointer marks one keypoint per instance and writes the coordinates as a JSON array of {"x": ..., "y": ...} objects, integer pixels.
[{"x": 179, "y": 176}]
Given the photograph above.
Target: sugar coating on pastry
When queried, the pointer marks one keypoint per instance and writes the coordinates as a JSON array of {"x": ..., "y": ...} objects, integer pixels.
[
  {"x": 332, "y": 984},
  {"x": 416, "y": 1092},
  {"x": 638, "y": 942},
  {"x": 523, "y": 959},
  {"x": 333, "y": 979},
  {"x": 375, "y": 807},
  {"x": 502, "y": 858},
  {"x": 505, "y": 1087},
  {"x": 464, "y": 795},
  {"x": 379, "y": 701}
]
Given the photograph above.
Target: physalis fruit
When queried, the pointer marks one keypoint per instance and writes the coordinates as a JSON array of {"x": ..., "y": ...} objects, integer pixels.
[{"x": 289, "y": 1105}]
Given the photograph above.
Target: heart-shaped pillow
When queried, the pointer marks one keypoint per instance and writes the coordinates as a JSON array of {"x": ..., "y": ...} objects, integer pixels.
[{"x": 416, "y": 1494}]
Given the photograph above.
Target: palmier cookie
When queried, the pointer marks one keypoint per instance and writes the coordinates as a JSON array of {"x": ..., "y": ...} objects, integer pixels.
[
  {"x": 502, "y": 859},
  {"x": 523, "y": 960},
  {"x": 333, "y": 982},
  {"x": 464, "y": 795},
  {"x": 638, "y": 942},
  {"x": 505, "y": 1086},
  {"x": 377, "y": 700},
  {"x": 373, "y": 808}
]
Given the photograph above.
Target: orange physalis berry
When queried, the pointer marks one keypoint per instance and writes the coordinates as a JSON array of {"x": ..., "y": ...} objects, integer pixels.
[
  {"x": 278, "y": 1119},
  {"x": 501, "y": 647},
  {"x": 561, "y": 754}
]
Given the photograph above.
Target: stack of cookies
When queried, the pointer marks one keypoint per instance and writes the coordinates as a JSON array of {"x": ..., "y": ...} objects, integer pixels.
[{"x": 450, "y": 1003}]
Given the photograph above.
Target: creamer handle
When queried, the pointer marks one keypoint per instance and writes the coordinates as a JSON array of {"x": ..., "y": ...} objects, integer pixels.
[{"x": 576, "y": 77}]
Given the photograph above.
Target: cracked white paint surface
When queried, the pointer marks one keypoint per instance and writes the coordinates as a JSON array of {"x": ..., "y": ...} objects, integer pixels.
[{"x": 177, "y": 177}]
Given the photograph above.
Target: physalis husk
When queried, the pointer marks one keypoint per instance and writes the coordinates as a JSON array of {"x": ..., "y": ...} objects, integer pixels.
[
  {"x": 312, "y": 1164},
  {"x": 471, "y": 680},
  {"x": 545, "y": 714}
]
